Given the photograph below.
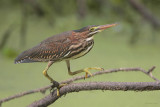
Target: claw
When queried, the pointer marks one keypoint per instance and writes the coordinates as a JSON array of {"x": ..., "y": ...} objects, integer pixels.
[
  {"x": 58, "y": 86},
  {"x": 98, "y": 68},
  {"x": 51, "y": 89},
  {"x": 87, "y": 72},
  {"x": 61, "y": 85},
  {"x": 94, "y": 68},
  {"x": 58, "y": 92}
]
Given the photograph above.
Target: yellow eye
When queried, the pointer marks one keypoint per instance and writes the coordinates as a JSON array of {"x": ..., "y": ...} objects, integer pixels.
[{"x": 91, "y": 29}]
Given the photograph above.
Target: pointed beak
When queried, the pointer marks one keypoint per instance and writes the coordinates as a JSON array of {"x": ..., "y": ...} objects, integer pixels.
[{"x": 103, "y": 27}]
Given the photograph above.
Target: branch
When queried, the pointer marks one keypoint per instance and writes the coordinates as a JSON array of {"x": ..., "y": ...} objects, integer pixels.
[
  {"x": 145, "y": 13},
  {"x": 69, "y": 81},
  {"x": 87, "y": 86}
]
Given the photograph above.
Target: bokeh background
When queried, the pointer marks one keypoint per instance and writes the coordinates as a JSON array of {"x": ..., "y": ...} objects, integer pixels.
[{"x": 135, "y": 42}]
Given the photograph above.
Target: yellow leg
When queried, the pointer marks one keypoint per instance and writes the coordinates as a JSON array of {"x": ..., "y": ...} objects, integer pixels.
[
  {"x": 60, "y": 86},
  {"x": 46, "y": 74},
  {"x": 52, "y": 81},
  {"x": 86, "y": 70}
]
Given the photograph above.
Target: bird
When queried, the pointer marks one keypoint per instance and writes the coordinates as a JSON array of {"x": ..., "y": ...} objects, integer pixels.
[{"x": 65, "y": 46}]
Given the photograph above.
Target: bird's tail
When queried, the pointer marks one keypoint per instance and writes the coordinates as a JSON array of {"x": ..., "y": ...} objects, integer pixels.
[{"x": 24, "y": 58}]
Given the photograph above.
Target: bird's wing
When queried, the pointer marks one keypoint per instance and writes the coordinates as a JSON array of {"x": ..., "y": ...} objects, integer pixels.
[
  {"x": 55, "y": 50},
  {"x": 47, "y": 50}
]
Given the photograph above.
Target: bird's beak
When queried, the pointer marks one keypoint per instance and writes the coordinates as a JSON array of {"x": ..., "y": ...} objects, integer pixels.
[{"x": 103, "y": 27}]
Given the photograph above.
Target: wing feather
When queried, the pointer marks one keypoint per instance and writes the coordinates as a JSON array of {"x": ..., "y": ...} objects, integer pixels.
[{"x": 46, "y": 51}]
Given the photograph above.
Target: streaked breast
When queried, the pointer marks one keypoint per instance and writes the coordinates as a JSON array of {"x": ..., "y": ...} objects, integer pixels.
[{"x": 80, "y": 49}]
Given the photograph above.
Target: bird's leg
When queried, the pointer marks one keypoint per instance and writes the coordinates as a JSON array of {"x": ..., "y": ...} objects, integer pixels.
[
  {"x": 86, "y": 70},
  {"x": 46, "y": 69},
  {"x": 55, "y": 83}
]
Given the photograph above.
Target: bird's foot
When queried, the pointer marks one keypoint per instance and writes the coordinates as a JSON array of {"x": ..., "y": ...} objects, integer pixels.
[
  {"x": 54, "y": 84},
  {"x": 86, "y": 70},
  {"x": 58, "y": 86}
]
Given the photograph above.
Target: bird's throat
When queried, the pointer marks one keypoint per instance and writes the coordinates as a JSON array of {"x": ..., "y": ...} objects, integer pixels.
[{"x": 89, "y": 38}]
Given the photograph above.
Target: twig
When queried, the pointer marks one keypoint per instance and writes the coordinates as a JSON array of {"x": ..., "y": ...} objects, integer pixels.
[
  {"x": 43, "y": 89},
  {"x": 111, "y": 71}
]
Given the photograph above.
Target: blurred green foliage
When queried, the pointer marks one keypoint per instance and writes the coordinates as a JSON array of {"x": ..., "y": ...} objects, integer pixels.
[{"x": 9, "y": 52}]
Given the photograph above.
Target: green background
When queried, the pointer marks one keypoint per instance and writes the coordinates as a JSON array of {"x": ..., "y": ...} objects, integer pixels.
[{"x": 111, "y": 50}]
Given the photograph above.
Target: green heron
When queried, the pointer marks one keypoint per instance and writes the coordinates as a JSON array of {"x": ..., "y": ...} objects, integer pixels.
[{"x": 65, "y": 46}]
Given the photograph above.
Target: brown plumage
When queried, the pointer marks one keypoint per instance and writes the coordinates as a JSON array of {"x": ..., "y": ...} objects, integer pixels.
[
  {"x": 64, "y": 46},
  {"x": 59, "y": 47}
]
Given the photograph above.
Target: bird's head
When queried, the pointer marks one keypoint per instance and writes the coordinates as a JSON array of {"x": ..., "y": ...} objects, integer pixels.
[{"x": 93, "y": 29}]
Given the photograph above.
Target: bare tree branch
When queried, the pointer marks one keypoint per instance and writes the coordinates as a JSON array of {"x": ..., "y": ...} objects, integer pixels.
[
  {"x": 81, "y": 8},
  {"x": 87, "y": 86},
  {"x": 145, "y": 13},
  {"x": 69, "y": 81},
  {"x": 24, "y": 21},
  {"x": 6, "y": 36}
]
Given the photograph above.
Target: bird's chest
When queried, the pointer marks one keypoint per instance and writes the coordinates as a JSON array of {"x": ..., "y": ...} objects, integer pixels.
[{"x": 81, "y": 48}]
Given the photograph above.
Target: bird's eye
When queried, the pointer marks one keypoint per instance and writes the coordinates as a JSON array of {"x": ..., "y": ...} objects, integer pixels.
[{"x": 91, "y": 29}]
